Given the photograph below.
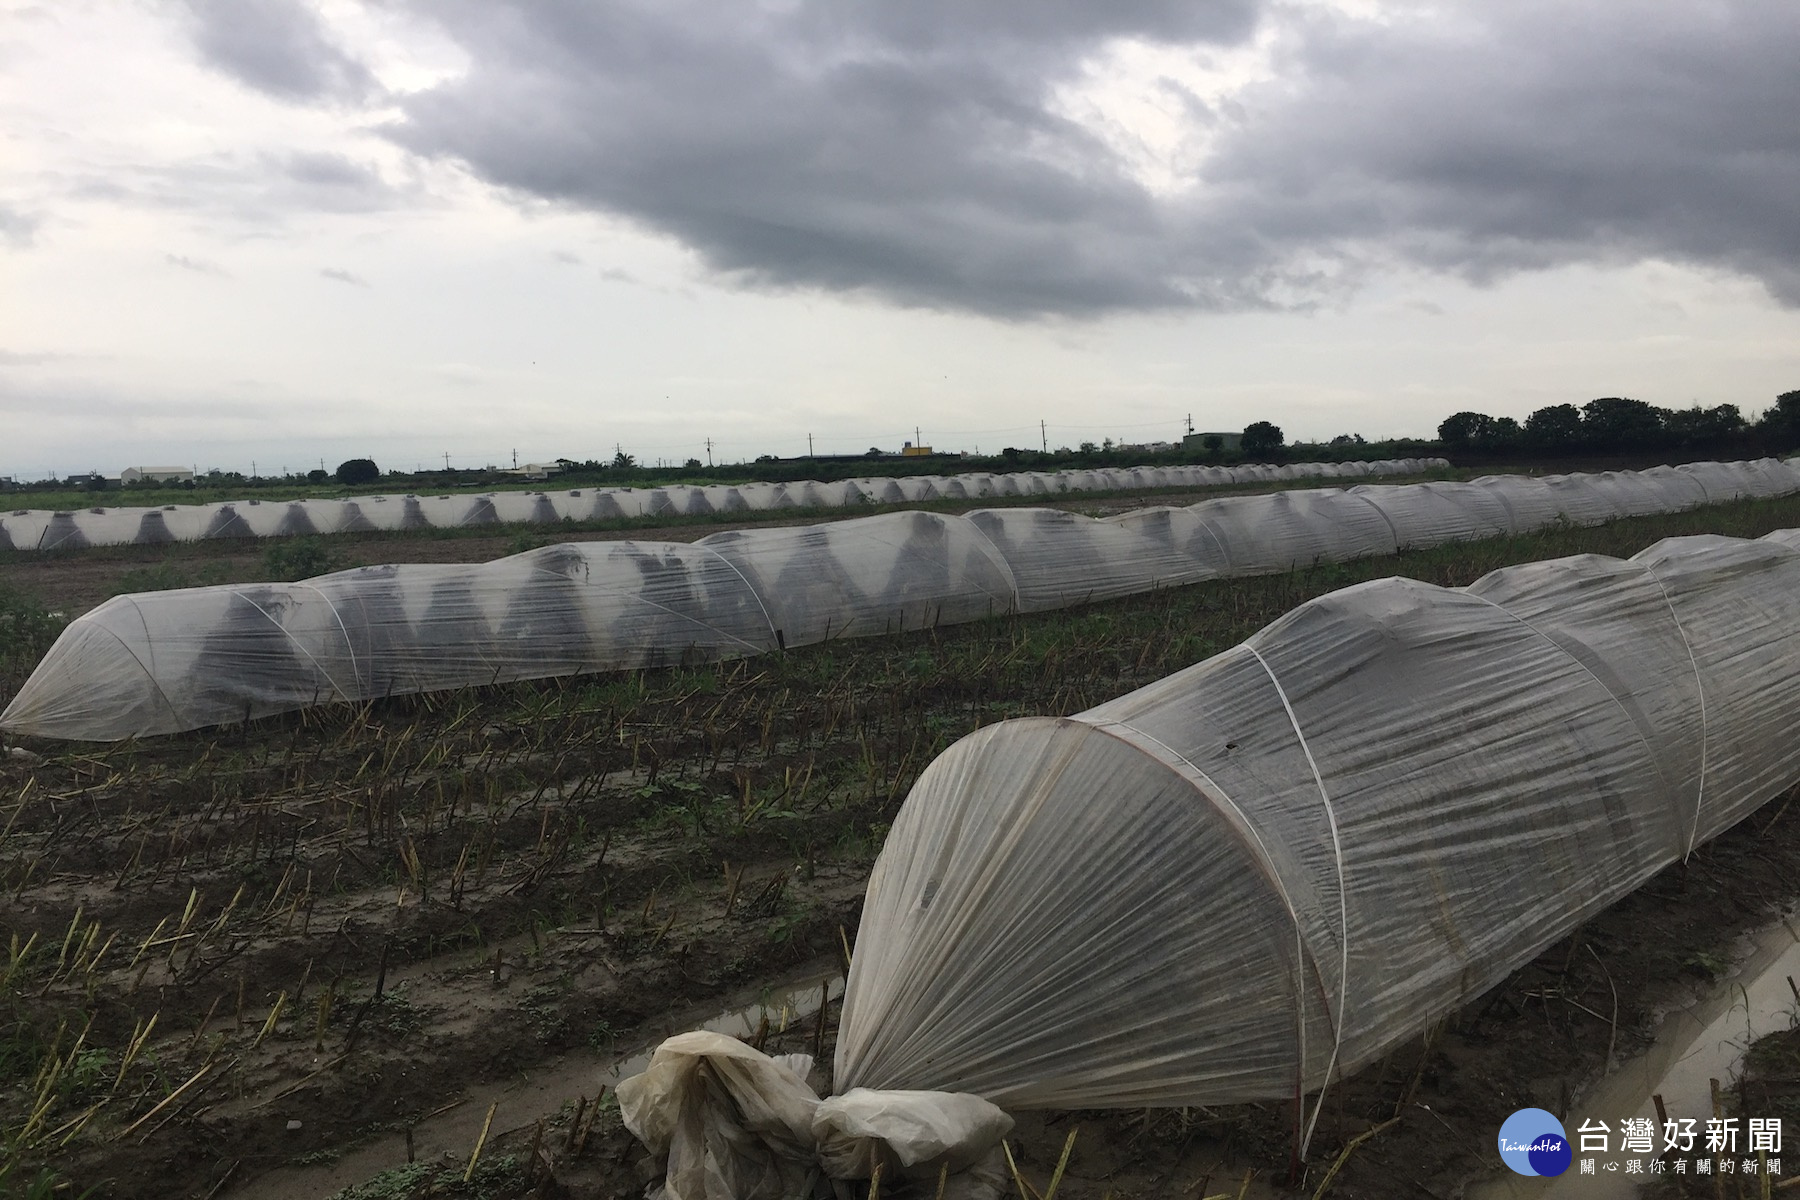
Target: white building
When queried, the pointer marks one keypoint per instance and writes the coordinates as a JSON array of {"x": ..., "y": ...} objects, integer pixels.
[
  {"x": 154, "y": 474},
  {"x": 534, "y": 470}
]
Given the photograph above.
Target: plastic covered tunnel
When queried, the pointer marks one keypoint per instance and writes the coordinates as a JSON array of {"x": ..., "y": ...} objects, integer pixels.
[
  {"x": 42, "y": 529},
  {"x": 162, "y": 662},
  {"x": 1261, "y": 873}
]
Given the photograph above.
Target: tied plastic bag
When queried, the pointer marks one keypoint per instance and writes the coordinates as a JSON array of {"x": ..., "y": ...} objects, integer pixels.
[
  {"x": 736, "y": 1124},
  {"x": 915, "y": 1135}
]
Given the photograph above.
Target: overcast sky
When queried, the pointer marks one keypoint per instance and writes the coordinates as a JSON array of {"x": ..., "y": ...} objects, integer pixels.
[{"x": 285, "y": 232}]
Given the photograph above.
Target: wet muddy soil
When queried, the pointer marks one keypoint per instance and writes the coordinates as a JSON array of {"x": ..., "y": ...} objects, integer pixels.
[{"x": 259, "y": 957}]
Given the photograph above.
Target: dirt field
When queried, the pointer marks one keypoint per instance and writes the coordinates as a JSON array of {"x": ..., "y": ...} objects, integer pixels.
[{"x": 262, "y": 961}]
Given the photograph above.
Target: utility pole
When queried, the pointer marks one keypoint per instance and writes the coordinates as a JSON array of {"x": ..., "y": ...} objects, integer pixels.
[
  {"x": 1190, "y": 422},
  {"x": 515, "y": 458},
  {"x": 709, "y": 452},
  {"x": 446, "y": 460},
  {"x": 809, "y": 449},
  {"x": 1044, "y": 433}
]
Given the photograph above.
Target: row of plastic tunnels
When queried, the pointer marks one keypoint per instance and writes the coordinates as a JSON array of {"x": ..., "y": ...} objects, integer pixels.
[
  {"x": 42, "y": 529},
  {"x": 162, "y": 662}
]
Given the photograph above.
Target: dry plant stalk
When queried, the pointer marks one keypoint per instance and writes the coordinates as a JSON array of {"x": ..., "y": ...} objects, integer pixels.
[
  {"x": 172, "y": 1097},
  {"x": 1028, "y": 1192},
  {"x": 481, "y": 1141},
  {"x": 1344, "y": 1154},
  {"x": 274, "y": 1016}
]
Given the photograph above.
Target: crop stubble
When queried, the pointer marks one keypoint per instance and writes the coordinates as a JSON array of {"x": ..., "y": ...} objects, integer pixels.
[{"x": 350, "y": 917}]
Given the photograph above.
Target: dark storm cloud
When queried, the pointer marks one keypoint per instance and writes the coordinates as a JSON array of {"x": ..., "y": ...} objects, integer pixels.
[
  {"x": 279, "y": 47},
  {"x": 915, "y": 151},
  {"x": 339, "y": 275},
  {"x": 905, "y": 150},
  {"x": 1537, "y": 135}
]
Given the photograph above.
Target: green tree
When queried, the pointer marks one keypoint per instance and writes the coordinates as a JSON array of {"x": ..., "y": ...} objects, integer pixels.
[
  {"x": 1698, "y": 426},
  {"x": 1502, "y": 433},
  {"x": 1621, "y": 423},
  {"x": 1262, "y": 440},
  {"x": 357, "y": 471},
  {"x": 1783, "y": 421},
  {"x": 1557, "y": 427},
  {"x": 624, "y": 462},
  {"x": 1213, "y": 443},
  {"x": 1463, "y": 430}
]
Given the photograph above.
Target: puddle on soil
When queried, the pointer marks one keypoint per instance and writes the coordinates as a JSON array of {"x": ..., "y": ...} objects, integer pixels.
[
  {"x": 450, "y": 1136},
  {"x": 1694, "y": 1045}
]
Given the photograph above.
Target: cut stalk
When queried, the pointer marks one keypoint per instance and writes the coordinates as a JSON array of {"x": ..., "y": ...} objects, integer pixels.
[{"x": 480, "y": 1142}]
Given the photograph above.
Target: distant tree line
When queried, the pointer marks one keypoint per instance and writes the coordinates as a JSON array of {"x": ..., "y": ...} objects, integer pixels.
[
  {"x": 1613, "y": 426},
  {"x": 1619, "y": 425}
]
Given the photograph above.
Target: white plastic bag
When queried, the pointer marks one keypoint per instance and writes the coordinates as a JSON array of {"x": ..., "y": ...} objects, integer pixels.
[{"x": 736, "y": 1124}]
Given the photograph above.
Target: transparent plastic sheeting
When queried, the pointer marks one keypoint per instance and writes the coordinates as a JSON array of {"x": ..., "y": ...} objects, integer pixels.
[
  {"x": 40, "y": 529},
  {"x": 162, "y": 662},
  {"x": 1262, "y": 873}
]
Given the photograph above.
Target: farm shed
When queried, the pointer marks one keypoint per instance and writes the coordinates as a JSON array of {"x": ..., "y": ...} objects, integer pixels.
[
  {"x": 162, "y": 662},
  {"x": 1257, "y": 875}
]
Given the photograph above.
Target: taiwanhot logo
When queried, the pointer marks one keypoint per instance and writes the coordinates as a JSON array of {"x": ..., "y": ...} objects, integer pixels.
[{"x": 1532, "y": 1142}]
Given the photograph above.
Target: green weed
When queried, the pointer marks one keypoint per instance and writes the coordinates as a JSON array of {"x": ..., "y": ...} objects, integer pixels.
[
  {"x": 27, "y": 631},
  {"x": 298, "y": 558},
  {"x": 168, "y": 576}
]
